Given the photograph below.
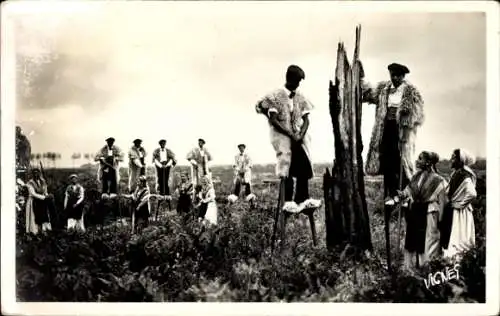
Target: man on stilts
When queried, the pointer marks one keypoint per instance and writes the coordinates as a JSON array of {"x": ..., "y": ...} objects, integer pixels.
[
  {"x": 164, "y": 160},
  {"x": 288, "y": 111},
  {"x": 399, "y": 115}
]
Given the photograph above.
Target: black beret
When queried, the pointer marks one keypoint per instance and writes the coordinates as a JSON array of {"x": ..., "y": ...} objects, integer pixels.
[
  {"x": 110, "y": 139},
  {"x": 296, "y": 71},
  {"x": 162, "y": 141},
  {"x": 137, "y": 141},
  {"x": 201, "y": 140},
  {"x": 398, "y": 69},
  {"x": 242, "y": 145}
]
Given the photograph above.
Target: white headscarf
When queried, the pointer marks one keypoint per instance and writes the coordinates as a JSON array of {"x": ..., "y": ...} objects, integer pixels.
[{"x": 467, "y": 159}]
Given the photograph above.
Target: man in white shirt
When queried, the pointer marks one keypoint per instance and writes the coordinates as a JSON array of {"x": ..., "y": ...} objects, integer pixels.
[
  {"x": 288, "y": 111},
  {"x": 164, "y": 160},
  {"x": 242, "y": 174}
]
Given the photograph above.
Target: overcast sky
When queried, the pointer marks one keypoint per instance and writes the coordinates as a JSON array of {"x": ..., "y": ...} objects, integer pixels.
[{"x": 181, "y": 71}]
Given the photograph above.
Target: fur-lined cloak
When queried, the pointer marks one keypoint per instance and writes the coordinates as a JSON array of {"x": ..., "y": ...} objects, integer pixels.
[
  {"x": 410, "y": 116},
  {"x": 277, "y": 101}
]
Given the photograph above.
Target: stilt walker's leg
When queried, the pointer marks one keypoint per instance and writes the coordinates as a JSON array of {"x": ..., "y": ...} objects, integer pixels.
[
  {"x": 313, "y": 226},
  {"x": 399, "y": 213},
  {"x": 387, "y": 212},
  {"x": 281, "y": 199}
]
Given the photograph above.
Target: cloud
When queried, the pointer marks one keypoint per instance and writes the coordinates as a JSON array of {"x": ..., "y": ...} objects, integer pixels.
[{"x": 141, "y": 71}]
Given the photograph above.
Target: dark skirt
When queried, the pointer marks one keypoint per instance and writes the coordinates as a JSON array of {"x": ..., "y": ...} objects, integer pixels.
[
  {"x": 416, "y": 227},
  {"x": 201, "y": 210},
  {"x": 74, "y": 212},
  {"x": 41, "y": 210},
  {"x": 184, "y": 204},
  {"x": 445, "y": 225},
  {"x": 300, "y": 166},
  {"x": 142, "y": 215}
]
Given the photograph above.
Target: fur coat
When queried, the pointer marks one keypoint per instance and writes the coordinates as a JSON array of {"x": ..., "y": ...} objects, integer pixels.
[
  {"x": 277, "y": 101},
  {"x": 410, "y": 116}
]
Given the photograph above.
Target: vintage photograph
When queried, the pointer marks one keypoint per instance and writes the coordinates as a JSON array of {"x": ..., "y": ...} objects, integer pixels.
[{"x": 251, "y": 152}]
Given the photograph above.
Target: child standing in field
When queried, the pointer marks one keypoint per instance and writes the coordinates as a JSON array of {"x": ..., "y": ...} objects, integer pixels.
[
  {"x": 207, "y": 207},
  {"x": 185, "y": 192},
  {"x": 73, "y": 204}
]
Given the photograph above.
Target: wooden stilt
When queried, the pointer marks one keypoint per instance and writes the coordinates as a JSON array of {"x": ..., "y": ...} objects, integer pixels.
[
  {"x": 310, "y": 214},
  {"x": 281, "y": 199}
]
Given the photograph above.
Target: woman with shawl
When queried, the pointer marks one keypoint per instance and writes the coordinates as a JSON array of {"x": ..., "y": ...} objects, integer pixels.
[
  {"x": 73, "y": 204},
  {"x": 427, "y": 192},
  {"x": 39, "y": 205},
  {"x": 207, "y": 207},
  {"x": 457, "y": 227},
  {"x": 141, "y": 205}
]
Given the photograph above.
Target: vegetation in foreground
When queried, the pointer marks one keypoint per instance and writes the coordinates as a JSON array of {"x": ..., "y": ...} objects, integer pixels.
[{"x": 175, "y": 260}]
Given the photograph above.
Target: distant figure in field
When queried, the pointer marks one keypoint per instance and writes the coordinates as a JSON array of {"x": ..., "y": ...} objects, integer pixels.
[
  {"x": 288, "y": 111},
  {"x": 427, "y": 191},
  {"x": 164, "y": 160},
  {"x": 39, "y": 205},
  {"x": 399, "y": 114},
  {"x": 185, "y": 194},
  {"x": 457, "y": 228},
  {"x": 199, "y": 158},
  {"x": 73, "y": 204},
  {"x": 136, "y": 164},
  {"x": 207, "y": 206},
  {"x": 242, "y": 174},
  {"x": 109, "y": 158}
]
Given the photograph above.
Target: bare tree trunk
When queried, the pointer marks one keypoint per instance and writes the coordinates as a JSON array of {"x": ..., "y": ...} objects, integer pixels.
[{"x": 346, "y": 216}]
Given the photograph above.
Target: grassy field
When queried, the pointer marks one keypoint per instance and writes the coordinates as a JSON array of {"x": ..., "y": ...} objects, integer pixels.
[{"x": 174, "y": 260}]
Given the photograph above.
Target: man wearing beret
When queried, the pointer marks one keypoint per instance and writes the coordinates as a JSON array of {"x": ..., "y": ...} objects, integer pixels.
[
  {"x": 287, "y": 111},
  {"x": 199, "y": 158},
  {"x": 164, "y": 160},
  {"x": 109, "y": 158},
  {"x": 242, "y": 174},
  {"x": 399, "y": 114},
  {"x": 136, "y": 163}
]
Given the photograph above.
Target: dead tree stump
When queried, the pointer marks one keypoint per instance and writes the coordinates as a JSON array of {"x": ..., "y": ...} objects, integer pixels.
[{"x": 346, "y": 214}]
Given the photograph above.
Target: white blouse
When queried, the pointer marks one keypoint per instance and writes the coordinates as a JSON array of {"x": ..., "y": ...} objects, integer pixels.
[{"x": 395, "y": 96}]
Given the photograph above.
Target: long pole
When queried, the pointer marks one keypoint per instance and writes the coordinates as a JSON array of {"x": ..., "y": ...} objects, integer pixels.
[{"x": 399, "y": 211}]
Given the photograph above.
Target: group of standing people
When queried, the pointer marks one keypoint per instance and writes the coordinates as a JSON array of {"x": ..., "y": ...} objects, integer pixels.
[{"x": 438, "y": 212}]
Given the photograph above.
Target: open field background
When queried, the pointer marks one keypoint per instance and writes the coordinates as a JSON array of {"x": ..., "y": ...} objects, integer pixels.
[{"x": 173, "y": 260}]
